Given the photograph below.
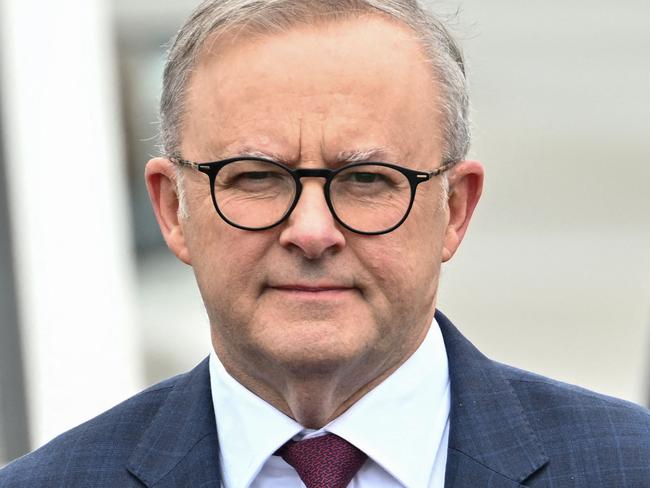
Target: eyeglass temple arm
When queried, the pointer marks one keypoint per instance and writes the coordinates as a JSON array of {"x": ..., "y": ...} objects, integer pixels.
[
  {"x": 444, "y": 167},
  {"x": 183, "y": 162}
]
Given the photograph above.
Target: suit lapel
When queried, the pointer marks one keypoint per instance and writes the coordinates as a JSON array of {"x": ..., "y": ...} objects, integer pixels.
[
  {"x": 180, "y": 446},
  {"x": 465, "y": 472},
  {"x": 491, "y": 443}
]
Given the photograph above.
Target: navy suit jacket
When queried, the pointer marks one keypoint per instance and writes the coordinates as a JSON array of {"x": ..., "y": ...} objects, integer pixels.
[{"x": 509, "y": 429}]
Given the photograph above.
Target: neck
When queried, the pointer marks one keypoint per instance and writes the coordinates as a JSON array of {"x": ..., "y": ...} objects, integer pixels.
[
  {"x": 312, "y": 398},
  {"x": 312, "y": 393},
  {"x": 315, "y": 402}
]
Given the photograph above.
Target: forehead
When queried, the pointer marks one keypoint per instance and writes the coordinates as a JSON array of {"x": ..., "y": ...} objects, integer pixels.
[{"x": 312, "y": 92}]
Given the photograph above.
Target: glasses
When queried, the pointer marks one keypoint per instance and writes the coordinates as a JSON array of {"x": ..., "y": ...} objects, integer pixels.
[{"x": 368, "y": 198}]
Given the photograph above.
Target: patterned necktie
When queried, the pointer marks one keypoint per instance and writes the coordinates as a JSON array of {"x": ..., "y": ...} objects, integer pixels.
[{"x": 327, "y": 461}]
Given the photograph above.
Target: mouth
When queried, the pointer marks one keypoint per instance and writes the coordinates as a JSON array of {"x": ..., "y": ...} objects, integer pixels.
[{"x": 312, "y": 291}]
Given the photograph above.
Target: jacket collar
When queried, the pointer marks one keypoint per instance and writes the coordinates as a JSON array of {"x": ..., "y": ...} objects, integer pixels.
[
  {"x": 180, "y": 446},
  {"x": 491, "y": 442}
]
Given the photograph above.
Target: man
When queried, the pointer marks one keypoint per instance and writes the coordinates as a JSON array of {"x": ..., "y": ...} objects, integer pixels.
[{"x": 315, "y": 178}]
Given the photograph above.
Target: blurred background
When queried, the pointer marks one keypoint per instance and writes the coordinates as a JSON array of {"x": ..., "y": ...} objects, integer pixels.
[{"x": 554, "y": 274}]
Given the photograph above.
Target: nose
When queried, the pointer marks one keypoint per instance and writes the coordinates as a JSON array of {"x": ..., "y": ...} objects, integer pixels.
[{"x": 311, "y": 228}]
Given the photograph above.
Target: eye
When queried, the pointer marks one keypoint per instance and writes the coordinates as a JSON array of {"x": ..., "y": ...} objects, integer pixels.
[
  {"x": 252, "y": 176},
  {"x": 257, "y": 175},
  {"x": 257, "y": 181},
  {"x": 366, "y": 177},
  {"x": 369, "y": 177}
]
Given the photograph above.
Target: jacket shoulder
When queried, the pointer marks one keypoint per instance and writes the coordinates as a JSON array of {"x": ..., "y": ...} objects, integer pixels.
[
  {"x": 542, "y": 394},
  {"x": 595, "y": 438},
  {"x": 101, "y": 445}
]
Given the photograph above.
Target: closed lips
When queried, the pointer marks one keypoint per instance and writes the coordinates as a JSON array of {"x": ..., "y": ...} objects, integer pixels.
[{"x": 309, "y": 288}]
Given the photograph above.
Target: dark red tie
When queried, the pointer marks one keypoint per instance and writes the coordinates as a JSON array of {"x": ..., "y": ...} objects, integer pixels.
[{"x": 327, "y": 461}]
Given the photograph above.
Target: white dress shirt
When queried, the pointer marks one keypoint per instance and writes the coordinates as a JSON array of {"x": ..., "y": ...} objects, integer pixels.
[{"x": 402, "y": 425}]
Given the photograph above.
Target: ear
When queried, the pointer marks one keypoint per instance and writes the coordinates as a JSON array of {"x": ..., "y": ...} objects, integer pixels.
[
  {"x": 160, "y": 175},
  {"x": 465, "y": 187}
]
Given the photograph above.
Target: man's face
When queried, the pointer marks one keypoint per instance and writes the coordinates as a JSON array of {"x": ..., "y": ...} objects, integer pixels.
[{"x": 308, "y": 295}]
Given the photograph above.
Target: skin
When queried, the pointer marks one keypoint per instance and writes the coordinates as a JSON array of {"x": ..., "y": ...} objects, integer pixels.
[{"x": 308, "y": 315}]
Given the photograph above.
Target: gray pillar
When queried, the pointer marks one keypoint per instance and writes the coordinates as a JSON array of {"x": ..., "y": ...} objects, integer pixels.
[{"x": 13, "y": 409}]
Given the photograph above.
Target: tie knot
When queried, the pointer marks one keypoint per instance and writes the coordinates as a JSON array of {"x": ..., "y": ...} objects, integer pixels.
[{"x": 327, "y": 461}]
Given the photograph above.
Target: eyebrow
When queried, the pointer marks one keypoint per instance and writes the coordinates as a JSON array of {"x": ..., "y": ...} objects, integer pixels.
[
  {"x": 362, "y": 155},
  {"x": 261, "y": 154},
  {"x": 250, "y": 151}
]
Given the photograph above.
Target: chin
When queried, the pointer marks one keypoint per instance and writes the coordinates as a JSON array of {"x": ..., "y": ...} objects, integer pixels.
[{"x": 309, "y": 354}]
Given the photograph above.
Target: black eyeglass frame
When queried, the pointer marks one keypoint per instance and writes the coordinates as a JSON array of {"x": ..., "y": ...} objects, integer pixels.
[{"x": 212, "y": 169}]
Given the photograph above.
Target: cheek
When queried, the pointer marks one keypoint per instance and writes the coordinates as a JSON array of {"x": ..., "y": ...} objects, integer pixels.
[
  {"x": 217, "y": 264},
  {"x": 426, "y": 226},
  {"x": 226, "y": 261},
  {"x": 405, "y": 264},
  {"x": 391, "y": 266}
]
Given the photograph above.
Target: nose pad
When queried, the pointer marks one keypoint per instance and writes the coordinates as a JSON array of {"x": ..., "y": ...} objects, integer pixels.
[{"x": 311, "y": 227}]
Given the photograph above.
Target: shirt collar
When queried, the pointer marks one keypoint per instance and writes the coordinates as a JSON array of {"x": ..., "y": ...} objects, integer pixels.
[
  {"x": 414, "y": 399},
  {"x": 249, "y": 429}
]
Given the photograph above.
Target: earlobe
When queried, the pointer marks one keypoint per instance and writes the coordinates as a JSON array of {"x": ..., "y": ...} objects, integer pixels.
[
  {"x": 161, "y": 184},
  {"x": 466, "y": 185}
]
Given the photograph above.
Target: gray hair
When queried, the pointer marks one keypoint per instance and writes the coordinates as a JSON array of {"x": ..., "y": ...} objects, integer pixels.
[{"x": 218, "y": 16}]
